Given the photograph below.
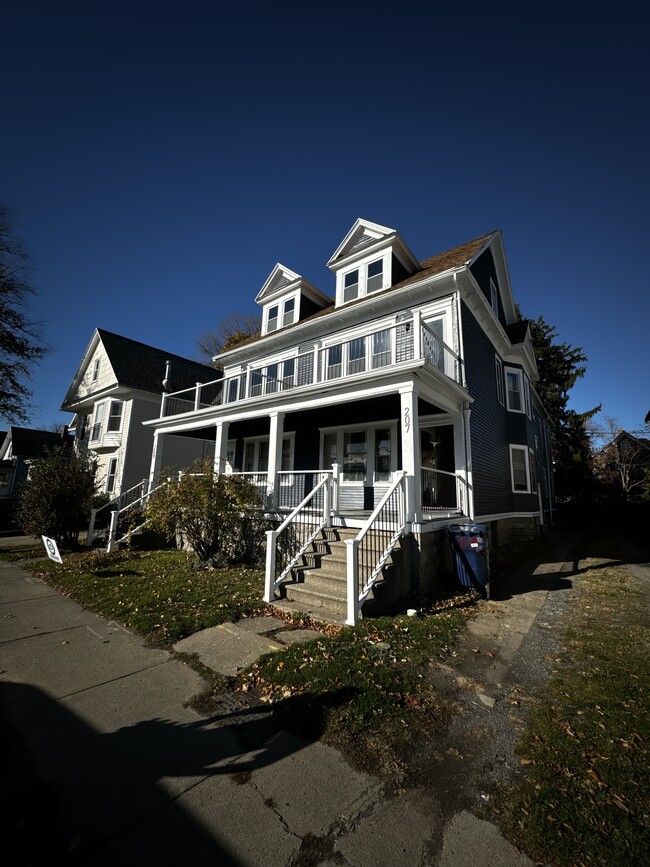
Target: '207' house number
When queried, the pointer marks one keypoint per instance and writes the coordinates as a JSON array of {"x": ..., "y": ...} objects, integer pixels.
[{"x": 407, "y": 419}]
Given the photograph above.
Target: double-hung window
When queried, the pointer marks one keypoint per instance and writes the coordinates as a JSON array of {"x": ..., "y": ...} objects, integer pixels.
[
  {"x": 521, "y": 458},
  {"x": 381, "y": 348},
  {"x": 494, "y": 297},
  {"x": 375, "y": 277},
  {"x": 515, "y": 389},
  {"x": 357, "y": 355},
  {"x": 98, "y": 422},
  {"x": 289, "y": 311},
  {"x": 115, "y": 416},
  {"x": 110, "y": 475},
  {"x": 351, "y": 286},
  {"x": 272, "y": 318}
]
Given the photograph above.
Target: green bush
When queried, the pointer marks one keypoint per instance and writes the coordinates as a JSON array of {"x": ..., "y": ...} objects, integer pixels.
[
  {"x": 219, "y": 517},
  {"x": 56, "y": 498}
]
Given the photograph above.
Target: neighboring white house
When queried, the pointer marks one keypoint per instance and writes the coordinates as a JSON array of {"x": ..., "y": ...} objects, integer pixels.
[{"x": 118, "y": 386}]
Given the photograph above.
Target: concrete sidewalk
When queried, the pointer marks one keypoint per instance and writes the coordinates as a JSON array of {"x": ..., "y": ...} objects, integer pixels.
[{"x": 107, "y": 764}]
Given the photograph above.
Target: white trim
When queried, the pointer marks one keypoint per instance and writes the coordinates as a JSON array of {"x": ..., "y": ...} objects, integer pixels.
[
  {"x": 519, "y": 375},
  {"x": 516, "y": 447},
  {"x": 500, "y": 380},
  {"x": 369, "y": 430}
]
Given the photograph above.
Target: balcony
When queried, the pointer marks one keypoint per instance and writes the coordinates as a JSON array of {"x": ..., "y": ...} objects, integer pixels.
[{"x": 346, "y": 359}]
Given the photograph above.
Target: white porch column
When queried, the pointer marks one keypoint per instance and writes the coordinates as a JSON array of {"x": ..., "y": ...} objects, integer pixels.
[
  {"x": 156, "y": 460},
  {"x": 411, "y": 457},
  {"x": 469, "y": 487},
  {"x": 221, "y": 447},
  {"x": 275, "y": 457}
]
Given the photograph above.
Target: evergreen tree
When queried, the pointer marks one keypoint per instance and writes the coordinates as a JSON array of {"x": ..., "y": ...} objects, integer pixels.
[{"x": 560, "y": 365}]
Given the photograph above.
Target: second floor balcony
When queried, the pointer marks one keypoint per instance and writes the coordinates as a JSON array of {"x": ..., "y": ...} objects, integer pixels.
[{"x": 406, "y": 341}]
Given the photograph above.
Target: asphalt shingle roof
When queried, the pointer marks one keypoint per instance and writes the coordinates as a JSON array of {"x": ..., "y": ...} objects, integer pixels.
[{"x": 143, "y": 367}]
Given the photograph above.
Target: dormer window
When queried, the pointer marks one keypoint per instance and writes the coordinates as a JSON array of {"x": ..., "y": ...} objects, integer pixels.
[
  {"x": 272, "y": 321},
  {"x": 289, "y": 311},
  {"x": 351, "y": 286},
  {"x": 375, "y": 275}
]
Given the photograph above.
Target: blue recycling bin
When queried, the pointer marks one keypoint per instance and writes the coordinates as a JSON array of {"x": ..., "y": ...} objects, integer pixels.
[{"x": 469, "y": 547}]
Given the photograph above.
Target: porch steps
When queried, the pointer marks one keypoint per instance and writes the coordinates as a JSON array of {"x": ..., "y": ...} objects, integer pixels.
[{"x": 319, "y": 586}]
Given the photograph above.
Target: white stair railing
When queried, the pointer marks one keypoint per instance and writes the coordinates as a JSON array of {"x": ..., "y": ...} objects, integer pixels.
[
  {"x": 119, "y": 503},
  {"x": 368, "y": 553},
  {"x": 296, "y": 533}
]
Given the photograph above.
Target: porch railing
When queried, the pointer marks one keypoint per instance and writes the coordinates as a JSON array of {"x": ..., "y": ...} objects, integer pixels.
[
  {"x": 368, "y": 553},
  {"x": 286, "y": 544},
  {"x": 117, "y": 504},
  {"x": 383, "y": 347},
  {"x": 441, "y": 491}
]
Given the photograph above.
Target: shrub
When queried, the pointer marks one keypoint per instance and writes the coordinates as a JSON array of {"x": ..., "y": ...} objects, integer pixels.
[
  {"x": 56, "y": 498},
  {"x": 218, "y": 516}
]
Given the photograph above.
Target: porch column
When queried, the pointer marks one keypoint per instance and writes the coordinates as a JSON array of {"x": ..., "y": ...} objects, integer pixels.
[
  {"x": 156, "y": 460},
  {"x": 411, "y": 458},
  {"x": 221, "y": 448},
  {"x": 469, "y": 486},
  {"x": 275, "y": 457}
]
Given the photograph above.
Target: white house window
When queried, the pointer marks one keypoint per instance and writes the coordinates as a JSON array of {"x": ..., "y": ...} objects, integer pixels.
[
  {"x": 82, "y": 423},
  {"x": 357, "y": 355},
  {"x": 514, "y": 389},
  {"x": 527, "y": 403},
  {"x": 494, "y": 297},
  {"x": 256, "y": 455},
  {"x": 96, "y": 367},
  {"x": 355, "y": 454},
  {"x": 334, "y": 361},
  {"x": 533, "y": 470},
  {"x": 115, "y": 416},
  {"x": 272, "y": 320},
  {"x": 98, "y": 422},
  {"x": 110, "y": 475},
  {"x": 520, "y": 469},
  {"x": 366, "y": 456},
  {"x": 289, "y": 311},
  {"x": 4, "y": 479},
  {"x": 381, "y": 348},
  {"x": 375, "y": 276},
  {"x": 288, "y": 373},
  {"x": 351, "y": 286},
  {"x": 499, "y": 379}
]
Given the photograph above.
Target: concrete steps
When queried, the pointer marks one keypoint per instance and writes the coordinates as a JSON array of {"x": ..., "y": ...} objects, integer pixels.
[{"x": 319, "y": 585}]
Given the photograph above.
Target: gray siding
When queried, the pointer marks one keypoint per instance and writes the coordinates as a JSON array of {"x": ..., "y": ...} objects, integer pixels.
[{"x": 138, "y": 441}]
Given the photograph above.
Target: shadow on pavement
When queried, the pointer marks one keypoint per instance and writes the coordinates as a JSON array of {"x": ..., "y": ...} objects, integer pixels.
[{"x": 68, "y": 791}]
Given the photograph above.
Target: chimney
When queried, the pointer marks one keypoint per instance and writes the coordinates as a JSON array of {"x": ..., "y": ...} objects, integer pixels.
[{"x": 168, "y": 373}]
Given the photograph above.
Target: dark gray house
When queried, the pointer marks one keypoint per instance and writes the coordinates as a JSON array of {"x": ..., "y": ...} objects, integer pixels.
[{"x": 380, "y": 415}]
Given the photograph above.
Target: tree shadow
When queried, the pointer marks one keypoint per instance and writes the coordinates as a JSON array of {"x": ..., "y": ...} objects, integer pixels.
[{"x": 75, "y": 795}]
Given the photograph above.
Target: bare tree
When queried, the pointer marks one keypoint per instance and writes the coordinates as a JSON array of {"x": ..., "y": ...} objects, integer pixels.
[
  {"x": 21, "y": 341},
  {"x": 229, "y": 333},
  {"x": 624, "y": 459}
]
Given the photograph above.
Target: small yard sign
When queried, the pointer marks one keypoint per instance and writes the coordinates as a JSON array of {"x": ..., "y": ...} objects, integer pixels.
[{"x": 52, "y": 549}]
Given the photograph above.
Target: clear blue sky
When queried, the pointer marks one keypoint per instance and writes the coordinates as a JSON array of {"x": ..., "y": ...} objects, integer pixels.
[{"x": 161, "y": 157}]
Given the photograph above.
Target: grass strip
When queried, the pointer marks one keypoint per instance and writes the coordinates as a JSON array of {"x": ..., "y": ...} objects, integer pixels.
[
  {"x": 365, "y": 688},
  {"x": 162, "y": 595},
  {"x": 585, "y": 795}
]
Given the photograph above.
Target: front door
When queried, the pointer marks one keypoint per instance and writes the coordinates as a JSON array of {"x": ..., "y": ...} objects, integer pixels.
[{"x": 366, "y": 457}]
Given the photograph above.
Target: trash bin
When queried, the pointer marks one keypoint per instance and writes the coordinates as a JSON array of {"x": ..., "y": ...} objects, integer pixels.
[{"x": 469, "y": 546}]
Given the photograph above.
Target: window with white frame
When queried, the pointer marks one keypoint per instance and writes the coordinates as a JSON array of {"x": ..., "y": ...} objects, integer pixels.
[
  {"x": 494, "y": 297},
  {"x": 272, "y": 318},
  {"x": 280, "y": 314},
  {"x": 4, "y": 479},
  {"x": 520, "y": 469},
  {"x": 115, "y": 412},
  {"x": 256, "y": 454},
  {"x": 381, "y": 348},
  {"x": 514, "y": 389},
  {"x": 111, "y": 475},
  {"x": 289, "y": 311},
  {"x": 527, "y": 402},
  {"x": 366, "y": 455},
  {"x": 499, "y": 379},
  {"x": 533, "y": 470},
  {"x": 98, "y": 422},
  {"x": 96, "y": 367},
  {"x": 362, "y": 280}
]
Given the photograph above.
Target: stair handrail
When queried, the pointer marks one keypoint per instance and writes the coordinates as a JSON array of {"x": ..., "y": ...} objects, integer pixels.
[
  {"x": 112, "y": 541},
  {"x": 271, "y": 583},
  {"x": 356, "y": 594}
]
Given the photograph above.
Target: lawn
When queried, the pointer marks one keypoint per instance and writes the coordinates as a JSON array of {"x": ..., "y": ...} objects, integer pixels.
[
  {"x": 162, "y": 595},
  {"x": 585, "y": 795}
]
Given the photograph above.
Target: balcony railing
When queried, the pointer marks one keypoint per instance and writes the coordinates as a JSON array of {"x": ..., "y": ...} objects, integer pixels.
[{"x": 349, "y": 358}]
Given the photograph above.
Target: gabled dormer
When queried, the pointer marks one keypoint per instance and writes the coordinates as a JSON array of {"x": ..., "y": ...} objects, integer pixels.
[
  {"x": 286, "y": 297},
  {"x": 370, "y": 258}
]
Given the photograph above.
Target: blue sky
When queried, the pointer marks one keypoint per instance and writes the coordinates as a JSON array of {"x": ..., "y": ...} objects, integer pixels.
[{"x": 160, "y": 157}]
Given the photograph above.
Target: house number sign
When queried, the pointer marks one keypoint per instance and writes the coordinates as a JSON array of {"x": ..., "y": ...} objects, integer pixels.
[{"x": 407, "y": 419}]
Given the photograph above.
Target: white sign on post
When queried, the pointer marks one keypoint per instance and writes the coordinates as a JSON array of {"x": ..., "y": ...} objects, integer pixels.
[{"x": 52, "y": 550}]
